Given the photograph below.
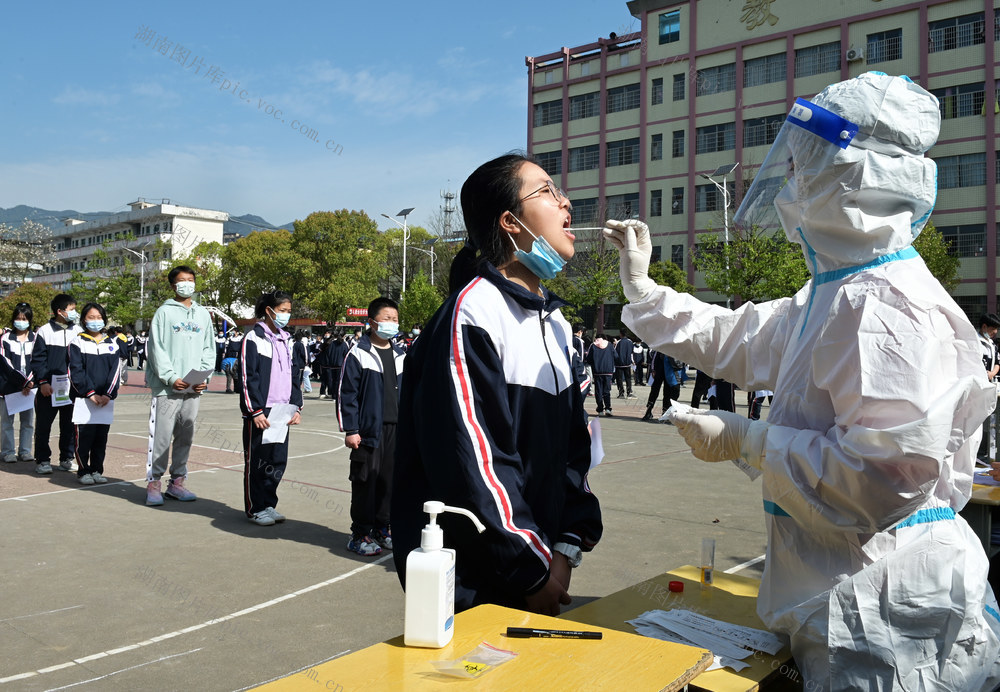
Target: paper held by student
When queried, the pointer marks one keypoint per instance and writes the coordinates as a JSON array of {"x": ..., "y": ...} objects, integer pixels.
[
  {"x": 193, "y": 378},
  {"x": 278, "y": 418},
  {"x": 60, "y": 391},
  {"x": 19, "y": 401},
  {"x": 86, "y": 412}
]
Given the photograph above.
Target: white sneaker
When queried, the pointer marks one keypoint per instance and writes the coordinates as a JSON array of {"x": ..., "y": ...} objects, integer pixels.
[{"x": 262, "y": 518}]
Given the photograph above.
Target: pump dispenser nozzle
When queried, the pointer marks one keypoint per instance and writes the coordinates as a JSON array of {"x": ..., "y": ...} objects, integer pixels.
[{"x": 432, "y": 538}]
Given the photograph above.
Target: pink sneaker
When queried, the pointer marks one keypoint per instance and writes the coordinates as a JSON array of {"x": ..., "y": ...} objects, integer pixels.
[
  {"x": 176, "y": 490},
  {"x": 153, "y": 496}
]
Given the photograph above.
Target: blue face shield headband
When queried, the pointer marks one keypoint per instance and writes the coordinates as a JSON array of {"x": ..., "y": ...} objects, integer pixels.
[{"x": 543, "y": 261}]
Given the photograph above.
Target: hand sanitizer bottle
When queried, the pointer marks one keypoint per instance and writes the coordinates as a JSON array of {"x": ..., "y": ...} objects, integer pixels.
[
  {"x": 707, "y": 562},
  {"x": 430, "y": 583}
]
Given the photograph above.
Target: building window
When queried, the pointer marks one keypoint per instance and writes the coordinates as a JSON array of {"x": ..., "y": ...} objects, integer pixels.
[
  {"x": 996, "y": 24},
  {"x": 679, "y": 87},
  {"x": 548, "y": 113},
  {"x": 623, "y": 98},
  {"x": 817, "y": 59},
  {"x": 715, "y": 80},
  {"x": 960, "y": 101},
  {"x": 759, "y": 132},
  {"x": 957, "y": 32},
  {"x": 966, "y": 170},
  {"x": 551, "y": 161},
  {"x": 584, "y": 210},
  {"x": 709, "y": 198},
  {"x": 656, "y": 203},
  {"x": 677, "y": 201},
  {"x": 584, "y": 105},
  {"x": 656, "y": 148},
  {"x": 623, "y": 152},
  {"x": 585, "y": 69},
  {"x": 770, "y": 68},
  {"x": 713, "y": 138},
  {"x": 656, "y": 254},
  {"x": 677, "y": 255},
  {"x": 584, "y": 158},
  {"x": 623, "y": 206},
  {"x": 966, "y": 241},
  {"x": 670, "y": 27},
  {"x": 550, "y": 76},
  {"x": 884, "y": 46},
  {"x": 677, "y": 148},
  {"x": 657, "y": 91}
]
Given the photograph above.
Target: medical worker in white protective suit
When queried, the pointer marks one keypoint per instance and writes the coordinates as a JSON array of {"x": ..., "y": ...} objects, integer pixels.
[{"x": 880, "y": 393}]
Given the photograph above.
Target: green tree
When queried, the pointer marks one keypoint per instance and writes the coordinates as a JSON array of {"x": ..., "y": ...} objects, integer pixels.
[
  {"x": 37, "y": 295},
  {"x": 417, "y": 258},
  {"x": 593, "y": 277},
  {"x": 216, "y": 283},
  {"x": 345, "y": 258},
  {"x": 936, "y": 252},
  {"x": 669, "y": 274},
  {"x": 261, "y": 262},
  {"x": 565, "y": 287},
  {"x": 419, "y": 303},
  {"x": 756, "y": 265}
]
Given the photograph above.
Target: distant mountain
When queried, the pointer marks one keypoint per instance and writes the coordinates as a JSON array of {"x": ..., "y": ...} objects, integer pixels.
[{"x": 240, "y": 225}]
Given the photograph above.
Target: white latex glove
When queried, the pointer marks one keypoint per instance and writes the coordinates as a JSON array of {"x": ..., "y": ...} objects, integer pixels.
[
  {"x": 634, "y": 248},
  {"x": 720, "y": 435}
]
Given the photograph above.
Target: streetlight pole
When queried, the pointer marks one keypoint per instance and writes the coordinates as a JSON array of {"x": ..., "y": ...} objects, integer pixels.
[
  {"x": 406, "y": 236},
  {"x": 433, "y": 257},
  {"x": 142, "y": 281},
  {"x": 724, "y": 171}
]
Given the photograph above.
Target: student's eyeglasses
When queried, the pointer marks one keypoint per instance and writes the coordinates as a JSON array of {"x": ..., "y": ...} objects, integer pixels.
[{"x": 556, "y": 193}]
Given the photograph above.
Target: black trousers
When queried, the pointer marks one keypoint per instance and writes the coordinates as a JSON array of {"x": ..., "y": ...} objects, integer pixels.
[
  {"x": 701, "y": 384},
  {"x": 725, "y": 396},
  {"x": 45, "y": 415},
  {"x": 91, "y": 446},
  {"x": 602, "y": 392},
  {"x": 263, "y": 467},
  {"x": 670, "y": 391},
  {"x": 639, "y": 379},
  {"x": 623, "y": 379},
  {"x": 331, "y": 378},
  {"x": 371, "y": 483}
]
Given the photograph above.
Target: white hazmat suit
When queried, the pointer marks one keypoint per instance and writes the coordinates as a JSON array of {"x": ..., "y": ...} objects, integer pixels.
[{"x": 880, "y": 394}]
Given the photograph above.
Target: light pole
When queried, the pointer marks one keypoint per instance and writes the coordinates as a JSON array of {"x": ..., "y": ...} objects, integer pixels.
[
  {"x": 432, "y": 255},
  {"x": 142, "y": 281},
  {"x": 406, "y": 236},
  {"x": 724, "y": 171}
]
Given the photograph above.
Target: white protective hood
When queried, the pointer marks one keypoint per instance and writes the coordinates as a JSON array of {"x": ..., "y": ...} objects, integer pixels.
[{"x": 877, "y": 194}]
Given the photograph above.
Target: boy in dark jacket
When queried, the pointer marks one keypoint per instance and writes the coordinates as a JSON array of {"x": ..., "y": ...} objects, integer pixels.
[
  {"x": 601, "y": 359},
  {"x": 368, "y": 407},
  {"x": 623, "y": 366},
  {"x": 49, "y": 361}
]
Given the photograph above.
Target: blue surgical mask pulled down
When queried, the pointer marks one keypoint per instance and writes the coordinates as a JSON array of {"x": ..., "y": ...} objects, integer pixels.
[{"x": 543, "y": 261}]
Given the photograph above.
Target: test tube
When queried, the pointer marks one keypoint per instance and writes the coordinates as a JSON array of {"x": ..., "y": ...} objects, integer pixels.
[{"x": 707, "y": 561}]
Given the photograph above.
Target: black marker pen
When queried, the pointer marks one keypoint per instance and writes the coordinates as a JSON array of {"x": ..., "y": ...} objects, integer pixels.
[{"x": 526, "y": 632}]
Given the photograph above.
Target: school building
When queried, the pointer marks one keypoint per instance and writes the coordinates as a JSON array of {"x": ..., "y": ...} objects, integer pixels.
[{"x": 651, "y": 120}]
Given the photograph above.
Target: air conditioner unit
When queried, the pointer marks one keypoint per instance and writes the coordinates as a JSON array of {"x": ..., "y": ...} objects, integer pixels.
[{"x": 854, "y": 54}]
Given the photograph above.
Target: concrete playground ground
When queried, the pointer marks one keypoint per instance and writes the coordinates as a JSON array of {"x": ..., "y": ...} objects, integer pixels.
[{"x": 102, "y": 592}]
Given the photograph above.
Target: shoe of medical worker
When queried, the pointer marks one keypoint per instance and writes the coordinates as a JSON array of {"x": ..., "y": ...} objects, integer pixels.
[
  {"x": 154, "y": 498},
  {"x": 176, "y": 490},
  {"x": 363, "y": 545}
]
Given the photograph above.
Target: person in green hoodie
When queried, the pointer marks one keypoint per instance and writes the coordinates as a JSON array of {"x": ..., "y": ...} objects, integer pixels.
[{"x": 181, "y": 339}]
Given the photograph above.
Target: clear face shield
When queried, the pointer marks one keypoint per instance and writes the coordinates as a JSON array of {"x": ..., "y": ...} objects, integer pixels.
[{"x": 806, "y": 144}]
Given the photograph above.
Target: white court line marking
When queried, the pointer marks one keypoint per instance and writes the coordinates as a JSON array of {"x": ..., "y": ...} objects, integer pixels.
[
  {"x": 207, "y": 623},
  {"x": 748, "y": 563},
  {"x": 84, "y": 682},
  {"x": 619, "y": 444},
  {"x": 294, "y": 672},
  {"x": 47, "y": 612}
]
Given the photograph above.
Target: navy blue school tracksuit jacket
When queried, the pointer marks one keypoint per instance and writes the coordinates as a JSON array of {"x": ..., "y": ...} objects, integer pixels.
[
  {"x": 602, "y": 360},
  {"x": 12, "y": 363},
  {"x": 491, "y": 419},
  {"x": 49, "y": 357},
  {"x": 361, "y": 391},
  {"x": 254, "y": 372},
  {"x": 93, "y": 366}
]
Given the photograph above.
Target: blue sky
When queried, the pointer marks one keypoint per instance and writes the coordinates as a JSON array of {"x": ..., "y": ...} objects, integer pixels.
[{"x": 405, "y": 98}]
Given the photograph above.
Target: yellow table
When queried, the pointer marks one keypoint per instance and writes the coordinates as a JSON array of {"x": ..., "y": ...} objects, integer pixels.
[
  {"x": 618, "y": 661},
  {"x": 979, "y": 513},
  {"x": 732, "y": 599}
]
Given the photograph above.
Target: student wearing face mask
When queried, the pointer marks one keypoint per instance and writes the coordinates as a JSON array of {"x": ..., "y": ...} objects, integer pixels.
[
  {"x": 368, "y": 410},
  {"x": 267, "y": 374},
  {"x": 94, "y": 370},
  {"x": 491, "y": 412},
  {"x": 49, "y": 361},
  {"x": 181, "y": 339},
  {"x": 17, "y": 346}
]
